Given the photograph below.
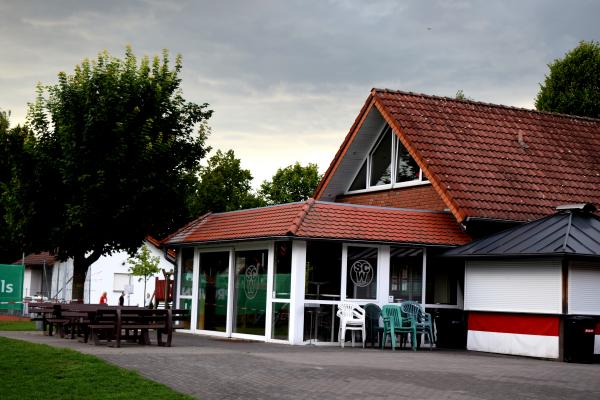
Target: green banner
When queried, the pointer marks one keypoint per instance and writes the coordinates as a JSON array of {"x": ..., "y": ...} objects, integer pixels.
[{"x": 11, "y": 286}]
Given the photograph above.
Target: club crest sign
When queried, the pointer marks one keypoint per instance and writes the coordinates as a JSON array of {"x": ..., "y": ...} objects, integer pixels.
[
  {"x": 361, "y": 273},
  {"x": 251, "y": 282}
]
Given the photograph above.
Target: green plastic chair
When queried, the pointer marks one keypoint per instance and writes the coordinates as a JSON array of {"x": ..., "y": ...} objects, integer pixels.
[
  {"x": 374, "y": 331},
  {"x": 395, "y": 323},
  {"x": 423, "y": 320}
]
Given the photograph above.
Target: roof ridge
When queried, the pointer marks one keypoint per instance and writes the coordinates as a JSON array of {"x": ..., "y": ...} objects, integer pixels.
[
  {"x": 297, "y": 222},
  {"x": 483, "y": 103}
]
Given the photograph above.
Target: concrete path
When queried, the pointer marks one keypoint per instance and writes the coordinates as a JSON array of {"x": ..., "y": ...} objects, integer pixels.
[{"x": 212, "y": 368}]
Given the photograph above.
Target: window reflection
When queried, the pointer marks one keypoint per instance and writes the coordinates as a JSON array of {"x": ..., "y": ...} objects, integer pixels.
[
  {"x": 323, "y": 270},
  {"x": 361, "y": 275},
  {"x": 406, "y": 271}
]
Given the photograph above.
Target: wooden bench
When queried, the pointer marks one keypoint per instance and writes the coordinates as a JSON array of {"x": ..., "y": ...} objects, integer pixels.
[
  {"x": 102, "y": 325},
  {"x": 178, "y": 319},
  {"x": 41, "y": 311},
  {"x": 141, "y": 320}
]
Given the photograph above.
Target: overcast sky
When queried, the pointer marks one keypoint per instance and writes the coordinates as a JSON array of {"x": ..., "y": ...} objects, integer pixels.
[{"x": 286, "y": 79}]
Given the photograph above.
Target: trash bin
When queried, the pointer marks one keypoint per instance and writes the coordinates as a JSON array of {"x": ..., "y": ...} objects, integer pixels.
[
  {"x": 579, "y": 338},
  {"x": 451, "y": 328}
]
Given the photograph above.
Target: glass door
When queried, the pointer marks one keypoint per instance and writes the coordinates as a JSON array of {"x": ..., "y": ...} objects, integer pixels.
[
  {"x": 212, "y": 291},
  {"x": 250, "y": 292}
]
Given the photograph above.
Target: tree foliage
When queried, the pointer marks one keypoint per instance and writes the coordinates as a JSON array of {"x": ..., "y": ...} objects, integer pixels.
[
  {"x": 144, "y": 265},
  {"x": 290, "y": 184},
  {"x": 16, "y": 151},
  {"x": 223, "y": 186},
  {"x": 573, "y": 84},
  {"x": 116, "y": 155}
]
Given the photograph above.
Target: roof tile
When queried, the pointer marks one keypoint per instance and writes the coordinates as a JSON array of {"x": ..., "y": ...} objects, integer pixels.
[
  {"x": 497, "y": 161},
  {"x": 324, "y": 220}
]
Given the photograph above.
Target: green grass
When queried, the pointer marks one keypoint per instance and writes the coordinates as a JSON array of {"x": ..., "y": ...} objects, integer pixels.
[
  {"x": 17, "y": 326},
  {"x": 35, "y": 371}
]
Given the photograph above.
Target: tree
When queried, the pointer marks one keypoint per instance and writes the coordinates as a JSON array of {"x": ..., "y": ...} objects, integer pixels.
[
  {"x": 116, "y": 156},
  {"x": 290, "y": 184},
  {"x": 15, "y": 144},
  {"x": 223, "y": 186},
  {"x": 144, "y": 265},
  {"x": 460, "y": 95},
  {"x": 573, "y": 84}
]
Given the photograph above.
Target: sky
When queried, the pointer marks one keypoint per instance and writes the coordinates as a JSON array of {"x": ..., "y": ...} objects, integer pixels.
[{"x": 286, "y": 79}]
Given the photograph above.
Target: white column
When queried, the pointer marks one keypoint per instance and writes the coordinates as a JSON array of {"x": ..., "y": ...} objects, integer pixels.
[
  {"x": 383, "y": 275},
  {"x": 344, "y": 272},
  {"x": 297, "y": 282},
  {"x": 269, "y": 296},
  {"x": 424, "y": 280}
]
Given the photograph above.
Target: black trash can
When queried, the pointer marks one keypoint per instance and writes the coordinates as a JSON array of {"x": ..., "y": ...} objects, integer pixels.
[
  {"x": 579, "y": 338},
  {"x": 451, "y": 328}
]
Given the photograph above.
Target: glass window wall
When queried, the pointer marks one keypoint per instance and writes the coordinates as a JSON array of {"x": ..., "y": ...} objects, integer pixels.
[
  {"x": 250, "y": 292},
  {"x": 212, "y": 291},
  {"x": 406, "y": 272},
  {"x": 361, "y": 275}
]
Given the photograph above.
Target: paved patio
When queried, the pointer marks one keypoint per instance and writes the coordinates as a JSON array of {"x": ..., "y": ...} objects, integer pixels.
[{"x": 212, "y": 368}]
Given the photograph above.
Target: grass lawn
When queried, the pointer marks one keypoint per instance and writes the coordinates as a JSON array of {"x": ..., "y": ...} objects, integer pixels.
[
  {"x": 17, "y": 325},
  {"x": 35, "y": 371}
]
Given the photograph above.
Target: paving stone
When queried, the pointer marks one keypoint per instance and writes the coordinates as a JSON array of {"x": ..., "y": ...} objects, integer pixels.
[{"x": 214, "y": 368}]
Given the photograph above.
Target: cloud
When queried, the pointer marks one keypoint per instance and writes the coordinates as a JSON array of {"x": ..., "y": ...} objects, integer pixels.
[{"x": 286, "y": 79}]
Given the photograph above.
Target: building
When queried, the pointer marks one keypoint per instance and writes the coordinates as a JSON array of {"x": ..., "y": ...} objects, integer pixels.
[
  {"x": 48, "y": 278},
  {"x": 37, "y": 275},
  {"x": 416, "y": 176}
]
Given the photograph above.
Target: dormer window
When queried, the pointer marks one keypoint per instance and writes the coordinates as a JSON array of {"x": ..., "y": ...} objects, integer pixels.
[{"x": 388, "y": 164}]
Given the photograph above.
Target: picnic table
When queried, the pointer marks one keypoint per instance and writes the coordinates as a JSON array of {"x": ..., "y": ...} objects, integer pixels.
[{"x": 109, "y": 323}]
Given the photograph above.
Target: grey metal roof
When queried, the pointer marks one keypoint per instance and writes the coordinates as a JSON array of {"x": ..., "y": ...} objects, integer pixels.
[{"x": 568, "y": 232}]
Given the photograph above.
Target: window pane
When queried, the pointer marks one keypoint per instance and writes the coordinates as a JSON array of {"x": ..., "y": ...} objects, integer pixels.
[
  {"x": 362, "y": 273},
  {"x": 250, "y": 291},
  {"x": 283, "y": 269},
  {"x": 212, "y": 291},
  {"x": 443, "y": 277},
  {"x": 281, "y": 320},
  {"x": 406, "y": 271},
  {"x": 323, "y": 270},
  {"x": 381, "y": 161},
  {"x": 360, "y": 182},
  {"x": 406, "y": 168},
  {"x": 187, "y": 271}
]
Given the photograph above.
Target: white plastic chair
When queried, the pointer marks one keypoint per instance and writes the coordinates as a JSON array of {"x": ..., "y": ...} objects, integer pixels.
[{"x": 352, "y": 317}]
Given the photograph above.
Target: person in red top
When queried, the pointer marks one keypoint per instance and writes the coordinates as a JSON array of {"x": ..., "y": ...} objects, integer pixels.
[{"x": 103, "y": 298}]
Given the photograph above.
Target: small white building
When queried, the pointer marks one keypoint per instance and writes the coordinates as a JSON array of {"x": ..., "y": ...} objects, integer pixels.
[
  {"x": 109, "y": 274},
  {"x": 36, "y": 275},
  {"x": 526, "y": 287}
]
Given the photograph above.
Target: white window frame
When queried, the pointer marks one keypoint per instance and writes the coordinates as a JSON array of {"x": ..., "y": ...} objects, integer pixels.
[
  {"x": 228, "y": 324},
  {"x": 344, "y": 283},
  {"x": 395, "y": 146}
]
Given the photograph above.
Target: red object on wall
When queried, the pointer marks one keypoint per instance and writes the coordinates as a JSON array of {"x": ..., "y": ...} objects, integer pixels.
[
  {"x": 525, "y": 324},
  {"x": 159, "y": 289}
]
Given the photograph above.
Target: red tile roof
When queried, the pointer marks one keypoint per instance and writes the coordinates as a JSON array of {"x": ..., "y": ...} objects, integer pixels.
[
  {"x": 37, "y": 259},
  {"x": 492, "y": 161},
  {"x": 324, "y": 220}
]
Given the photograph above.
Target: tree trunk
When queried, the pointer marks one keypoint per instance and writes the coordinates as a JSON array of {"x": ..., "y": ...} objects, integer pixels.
[
  {"x": 145, "y": 280},
  {"x": 80, "y": 268}
]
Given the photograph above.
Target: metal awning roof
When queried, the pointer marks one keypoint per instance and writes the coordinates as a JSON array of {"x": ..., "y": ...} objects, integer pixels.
[{"x": 572, "y": 231}]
